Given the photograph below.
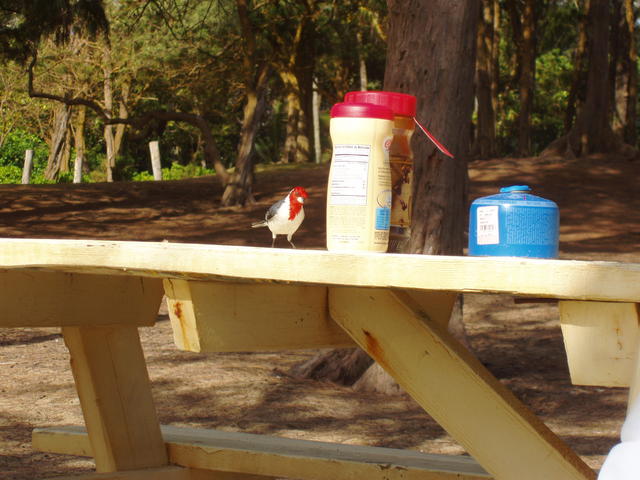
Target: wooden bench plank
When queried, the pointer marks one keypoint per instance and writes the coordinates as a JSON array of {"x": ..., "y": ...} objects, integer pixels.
[
  {"x": 282, "y": 457},
  {"x": 163, "y": 473}
]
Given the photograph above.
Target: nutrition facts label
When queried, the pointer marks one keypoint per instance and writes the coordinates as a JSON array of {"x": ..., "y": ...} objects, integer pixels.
[{"x": 350, "y": 173}]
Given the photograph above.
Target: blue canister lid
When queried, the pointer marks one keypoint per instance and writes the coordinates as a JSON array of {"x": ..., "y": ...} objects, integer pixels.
[{"x": 515, "y": 188}]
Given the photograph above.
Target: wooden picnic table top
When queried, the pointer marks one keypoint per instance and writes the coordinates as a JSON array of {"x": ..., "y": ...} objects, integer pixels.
[
  {"x": 560, "y": 279},
  {"x": 399, "y": 319}
]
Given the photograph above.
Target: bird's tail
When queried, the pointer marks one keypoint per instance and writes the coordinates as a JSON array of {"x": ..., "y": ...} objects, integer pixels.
[{"x": 263, "y": 223}]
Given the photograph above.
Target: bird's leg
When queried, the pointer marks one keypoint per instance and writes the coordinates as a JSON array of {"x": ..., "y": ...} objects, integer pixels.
[
  {"x": 273, "y": 242},
  {"x": 292, "y": 244}
]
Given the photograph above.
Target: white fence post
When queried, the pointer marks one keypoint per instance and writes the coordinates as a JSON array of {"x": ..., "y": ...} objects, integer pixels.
[
  {"x": 315, "y": 99},
  {"x": 154, "y": 148},
  {"x": 28, "y": 165},
  {"x": 77, "y": 170}
]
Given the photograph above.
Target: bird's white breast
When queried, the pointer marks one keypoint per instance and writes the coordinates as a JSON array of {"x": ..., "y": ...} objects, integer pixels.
[{"x": 280, "y": 223}]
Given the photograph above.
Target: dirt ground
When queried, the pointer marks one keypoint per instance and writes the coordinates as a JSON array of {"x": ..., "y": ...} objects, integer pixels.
[{"x": 520, "y": 343}]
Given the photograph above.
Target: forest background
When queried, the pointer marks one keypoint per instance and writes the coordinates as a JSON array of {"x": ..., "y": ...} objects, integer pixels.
[{"x": 226, "y": 85}]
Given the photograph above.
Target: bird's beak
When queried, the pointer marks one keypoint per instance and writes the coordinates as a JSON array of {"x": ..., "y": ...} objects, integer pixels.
[{"x": 300, "y": 199}]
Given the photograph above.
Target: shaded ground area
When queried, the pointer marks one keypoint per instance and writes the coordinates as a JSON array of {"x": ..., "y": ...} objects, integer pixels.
[{"x": 520, "y": 343}]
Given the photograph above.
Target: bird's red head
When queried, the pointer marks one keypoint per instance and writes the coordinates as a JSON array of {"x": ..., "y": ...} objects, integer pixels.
[{"x": 297, "y": 196}]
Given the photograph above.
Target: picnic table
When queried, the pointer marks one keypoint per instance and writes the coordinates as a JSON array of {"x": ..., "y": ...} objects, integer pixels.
[{"x": 396, "y": 307}]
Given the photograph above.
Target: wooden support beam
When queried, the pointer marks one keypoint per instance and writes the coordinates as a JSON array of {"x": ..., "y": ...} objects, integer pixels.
[
  {"x": 113, "y": 386},
  {"x": 453, "y": 387},
  {"x": 228, "y": 317},
  {"x": 276, "y": 457},
  {"x": 437, "y": 305},
  {"x": 54, "y": 299},
  {"x": 601, "y": 340}
]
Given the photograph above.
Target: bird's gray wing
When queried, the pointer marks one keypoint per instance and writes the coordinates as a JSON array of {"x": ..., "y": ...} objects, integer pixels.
[{"x": 273, "y": 210}]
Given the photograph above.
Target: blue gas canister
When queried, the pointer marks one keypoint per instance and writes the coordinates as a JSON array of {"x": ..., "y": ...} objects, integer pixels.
[{"x": 514, "y": 223}]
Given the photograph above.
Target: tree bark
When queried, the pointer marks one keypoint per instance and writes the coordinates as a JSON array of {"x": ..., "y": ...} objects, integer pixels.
[
  {"x": 238, "y": 186},
  {"x": 60, "y": 126},
  {"x": 297, "y": 77},
  {"x": 578, "y": 84},
  {"x": 527, "y": 77},
  {"x": 523, "y": 23},
  {"x": 109, "y": 139},
  {"x": 362, "y": 65},
  {"x": 485, "y": 141},
  {"x": 238, "y": 190},
  {"x": 440, "y": 80},
  {"x": 624, "y": 73},
  {"x": 78, "y": 140},
  {"x": 495, "y": 57}
]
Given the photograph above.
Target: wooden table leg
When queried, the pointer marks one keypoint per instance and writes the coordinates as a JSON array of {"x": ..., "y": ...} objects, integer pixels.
[
  {"x": 505, "y": 437},
  {"x": 113, "y": 386}
]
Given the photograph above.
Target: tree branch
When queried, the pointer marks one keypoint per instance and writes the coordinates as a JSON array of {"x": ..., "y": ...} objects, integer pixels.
[{"x": 141, "y": 121}]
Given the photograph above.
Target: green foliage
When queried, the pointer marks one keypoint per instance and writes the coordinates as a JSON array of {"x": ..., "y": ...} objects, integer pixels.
[
  {"x": 553, "y": 70},
  {"x": 175, "y": 172},
  {"x": 12, "y": 153},
  {"x": 190, "y": 56},
  {"x": 24, "y": 24},
  {"x": 10, "y": 174}
]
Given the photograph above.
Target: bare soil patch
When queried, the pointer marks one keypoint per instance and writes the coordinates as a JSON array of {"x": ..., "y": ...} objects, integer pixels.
[{"x": 520, "y": 343}]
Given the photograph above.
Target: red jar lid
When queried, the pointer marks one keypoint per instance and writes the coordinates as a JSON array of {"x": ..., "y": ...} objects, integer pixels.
[
  {"x": 399, "y": 103},
  {"x": 361, "y": 110}
]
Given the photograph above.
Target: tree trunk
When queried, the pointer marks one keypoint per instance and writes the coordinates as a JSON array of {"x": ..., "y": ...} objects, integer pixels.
[
  {"x": 317, "y": 147},
  {"x": 630, "y": 135},
  {"x": 109, "y": 139},
  {"x": 297, "y": 76},
  {"x": 65, "y": 158},
  {"x": 523, "y": 27},
  {"x": 122, "y": 113},
  {"x": 623, "y": 71},
  {"x": 485, "y": 140},
  {"x": 238, "y": 190},
  {"x": 495, "y": 57},
  {"x": 592, "y": 132},
  {"x": 361, "y": 64},
  {"x": 578, "y": 84},
  {"x": 293, "y": 111},
  {"x": 431, "y": 54},
  {"x": 78, "y": 140},
  {"x": 440, "y": 80},
  {"x": 61, "y": 117},
  {"x": 238, "y": 187},
  {"x": 527, "y": 77}
]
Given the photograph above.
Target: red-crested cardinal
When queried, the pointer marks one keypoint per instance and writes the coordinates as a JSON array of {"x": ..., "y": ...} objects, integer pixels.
[{"x": 285, "y": 216}]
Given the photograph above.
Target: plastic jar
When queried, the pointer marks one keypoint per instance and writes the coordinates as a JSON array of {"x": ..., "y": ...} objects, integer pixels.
[
  {"x": 359, "y": 189},
  {"x": 514, "y": 223},
  {"x": 403, "y": 107}
]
